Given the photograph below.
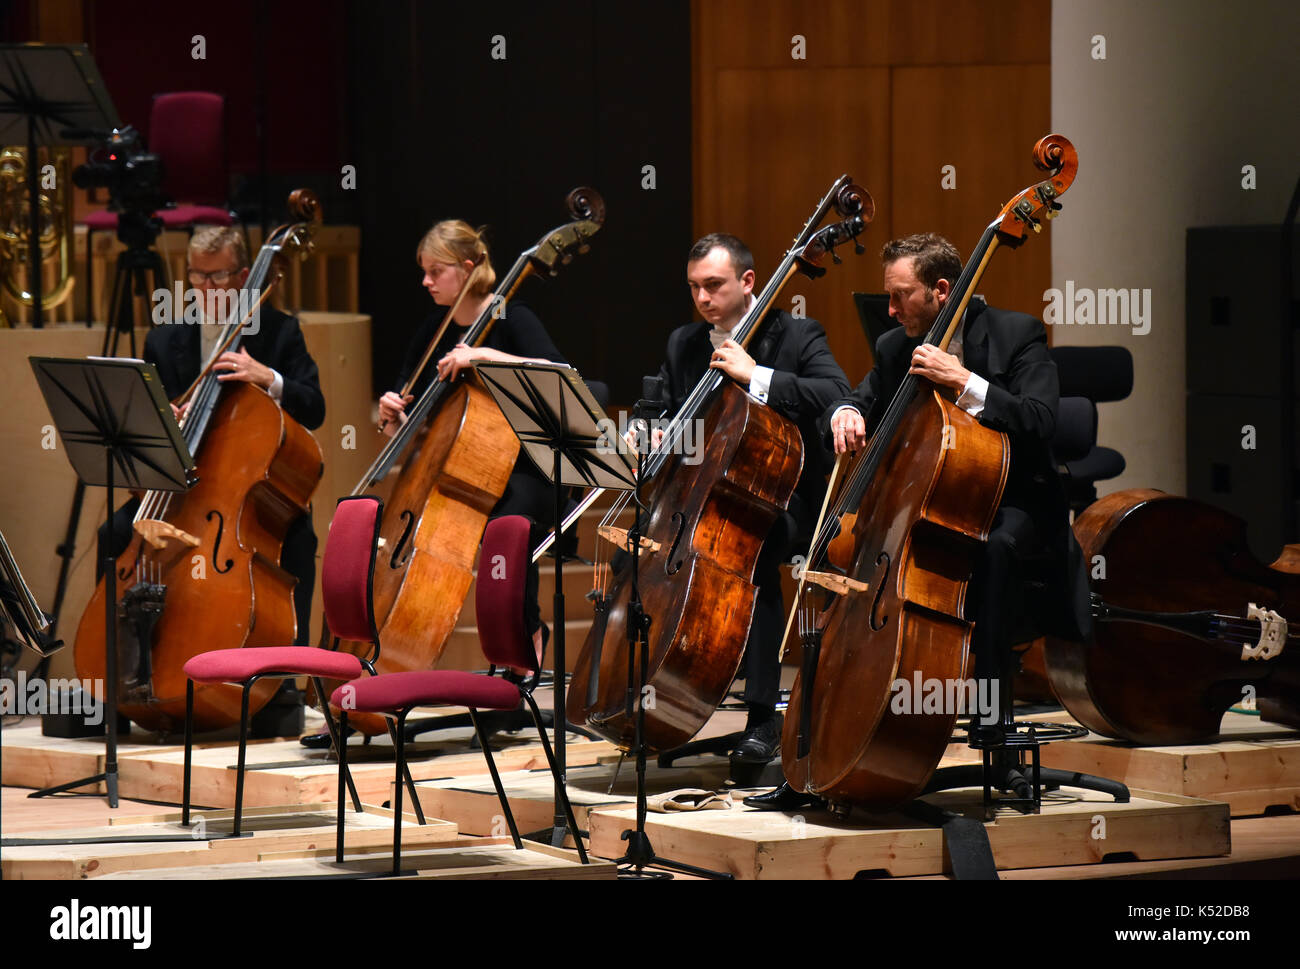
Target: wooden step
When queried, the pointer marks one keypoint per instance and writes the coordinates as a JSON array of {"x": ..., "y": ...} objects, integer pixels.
[
  {"x": 464, "y": 859},
  {"x": 270, "y": 830}
]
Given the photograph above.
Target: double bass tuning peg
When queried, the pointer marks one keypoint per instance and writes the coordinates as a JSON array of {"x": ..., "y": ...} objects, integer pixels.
[
  {"x": 835, "y": 257},
  {"x": 858, "y": 247}
]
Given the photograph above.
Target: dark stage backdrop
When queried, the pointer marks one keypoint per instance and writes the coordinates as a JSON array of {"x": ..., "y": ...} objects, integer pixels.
[
  {"x": 588, "y": 93},
  {"x": 409, "y": 93}
]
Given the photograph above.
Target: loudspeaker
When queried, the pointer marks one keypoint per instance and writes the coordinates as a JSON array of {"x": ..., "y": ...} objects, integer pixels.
[{"x": 1235, "y": 417}]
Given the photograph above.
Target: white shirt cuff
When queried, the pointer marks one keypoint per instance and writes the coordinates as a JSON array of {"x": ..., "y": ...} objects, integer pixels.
[
  {"x": 276, "y": 390},
  {"x": 760, "y": 383},
  {"x": 843, "y": 407},
  {"x": 973, "y": 395}
]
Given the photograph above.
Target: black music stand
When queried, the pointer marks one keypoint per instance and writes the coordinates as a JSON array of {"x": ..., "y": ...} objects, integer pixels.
[
  {"x": 551, "y": 410},
  {"x": 45, "y": 88},
  {"x": 115, "y": 423},
  {"x": 873, "y": 314}
]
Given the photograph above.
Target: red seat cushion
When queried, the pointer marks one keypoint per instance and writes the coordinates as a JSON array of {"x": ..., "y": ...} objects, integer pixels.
[
  {"x": 390, "y": 692},
  {"x": 237, "y": 665},
  {"x": 184, "y": 215},
  {"x": 100, "y": 221}
]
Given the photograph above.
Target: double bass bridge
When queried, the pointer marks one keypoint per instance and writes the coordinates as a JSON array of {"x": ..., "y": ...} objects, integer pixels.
[{"x": 1272, "y": 634}]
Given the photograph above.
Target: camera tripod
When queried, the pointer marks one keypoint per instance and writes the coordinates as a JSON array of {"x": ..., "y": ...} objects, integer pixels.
[{"x": 137, "y": 264}]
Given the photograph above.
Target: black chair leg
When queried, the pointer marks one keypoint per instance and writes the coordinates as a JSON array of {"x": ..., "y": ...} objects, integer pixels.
[
  {"x": 496, "y": 778},
  {"x": 406, "y": 773},
  {"x": 343, "y": 767},
  {"x": 400, "y": 740},
  {"x": 243, "y": 748},
  {"x": 337, "y": 739},
  {"x": 90, "y": 286},
  {"x": 564, "y": 794},
  {"x": 189, "y": 748}
]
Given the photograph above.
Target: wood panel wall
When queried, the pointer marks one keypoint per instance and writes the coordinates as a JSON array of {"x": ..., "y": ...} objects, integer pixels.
[{"x": 890, "y": 91}]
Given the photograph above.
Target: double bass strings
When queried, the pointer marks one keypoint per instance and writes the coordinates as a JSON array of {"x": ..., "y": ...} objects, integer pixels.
[
  {"x": 155, "y": 504},
  {"x": 864, "y": 472},
  {"x": 713, "y": 379}
]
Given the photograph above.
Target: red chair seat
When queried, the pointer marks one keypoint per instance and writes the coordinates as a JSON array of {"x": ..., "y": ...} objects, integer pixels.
[
  {"x": 100, "y": 221},
  {"x": 184, "y": 215},
  {"x": 237, "y": 665},
  {"x": 399, "y": 691}
]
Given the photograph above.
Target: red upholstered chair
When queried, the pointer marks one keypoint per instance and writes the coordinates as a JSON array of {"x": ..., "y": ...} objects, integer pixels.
[
  {"x": 187, "y": 130},
  {"x": 347, "y": 575},
  {"x": 513, "y": 674}
]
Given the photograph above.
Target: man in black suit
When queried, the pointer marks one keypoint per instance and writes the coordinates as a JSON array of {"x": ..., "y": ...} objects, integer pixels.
[
  {"x": 792, "y": 370},
  {"x": 998, "y": 369},
  {"x": 274, "y": 358}
]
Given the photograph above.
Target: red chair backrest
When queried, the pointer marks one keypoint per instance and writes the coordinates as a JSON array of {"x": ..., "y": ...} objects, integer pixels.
[
  {"x": 347, "y": 569},
  {"x": 187, "y": 130},
  {"x": 499, "y": 593}
]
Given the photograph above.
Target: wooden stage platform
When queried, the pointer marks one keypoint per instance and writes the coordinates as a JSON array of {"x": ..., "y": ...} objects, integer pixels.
[
  {"x": 1253, "y": 768},
  {"x": 280, "y": 771},
  {"x": 1179, "y": 824}
]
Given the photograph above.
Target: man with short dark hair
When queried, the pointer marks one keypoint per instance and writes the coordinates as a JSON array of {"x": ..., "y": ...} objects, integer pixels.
[
  {"x": 793, "y": 371},
  {"x": 998, "y": 369}
]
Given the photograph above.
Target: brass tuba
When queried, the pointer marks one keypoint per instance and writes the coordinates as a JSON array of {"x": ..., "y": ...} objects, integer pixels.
[{"x": 56, "y": 228}]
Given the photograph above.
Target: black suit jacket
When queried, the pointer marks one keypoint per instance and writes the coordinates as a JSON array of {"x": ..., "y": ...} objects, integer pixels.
[
  {"x": 805, "y": 379},
  {"x": 174, "y": 349},
  {"x": 1009, "y": 350}
]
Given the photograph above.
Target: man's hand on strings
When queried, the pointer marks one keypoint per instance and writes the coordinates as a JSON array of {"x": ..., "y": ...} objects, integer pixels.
[
  {"x": 180, "y": 412},
  {"x": 732, "y": 360},
  {"x": 939, "y": 367},
  {"x": 240, "y": 366}
]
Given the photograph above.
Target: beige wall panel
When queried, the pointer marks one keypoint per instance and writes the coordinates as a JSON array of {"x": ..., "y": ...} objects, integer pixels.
[
  {"x": 781, "y": 138},
  {"x": 984, "y": 121}
]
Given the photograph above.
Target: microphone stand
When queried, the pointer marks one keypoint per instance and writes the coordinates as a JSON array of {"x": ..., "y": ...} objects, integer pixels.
[{"x": 640, "y": 852}]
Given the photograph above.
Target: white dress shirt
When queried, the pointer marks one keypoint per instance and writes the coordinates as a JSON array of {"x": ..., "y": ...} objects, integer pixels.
[{"x": 760, "y": 381}]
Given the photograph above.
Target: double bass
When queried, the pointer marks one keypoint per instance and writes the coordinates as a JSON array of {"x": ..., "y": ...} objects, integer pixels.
[
  {"x": 202, "y": 570},
  {"x": 705, "y": 528},
  {"x": 882, "y": 592},
  {"x": 456, "y": 453},
  {"x": 1187, "y": 623}
]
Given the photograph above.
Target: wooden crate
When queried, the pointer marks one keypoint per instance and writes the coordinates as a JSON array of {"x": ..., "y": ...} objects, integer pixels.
[
  {"x": 813, "y": 845},
  {"x": 270, "y": 831},
  {"x": 1253, "y": 767}
]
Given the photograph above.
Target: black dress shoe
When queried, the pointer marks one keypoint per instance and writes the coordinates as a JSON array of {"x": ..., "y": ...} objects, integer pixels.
[
  {"x": 783, "y": 798},
  {"x": 759, "y": 744},
  {"x": 321, "y": 741}
]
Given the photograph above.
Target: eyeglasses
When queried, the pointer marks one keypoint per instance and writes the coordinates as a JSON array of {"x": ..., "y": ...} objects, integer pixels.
[{"x": 218, "y": 276}]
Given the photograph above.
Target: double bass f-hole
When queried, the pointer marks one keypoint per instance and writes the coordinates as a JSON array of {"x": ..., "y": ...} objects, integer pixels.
[
  {"x": 402, "y": 550},
  {"x": 216, "y": 543},
  {"x": 673, "y": 564},
  {"x": 878, "y": 622}
]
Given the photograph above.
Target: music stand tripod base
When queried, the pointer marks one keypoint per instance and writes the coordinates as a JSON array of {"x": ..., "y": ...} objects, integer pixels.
[{"x": 112, "y": 416}]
